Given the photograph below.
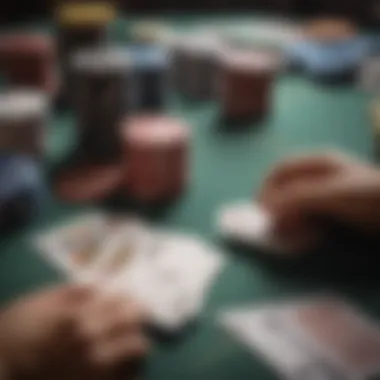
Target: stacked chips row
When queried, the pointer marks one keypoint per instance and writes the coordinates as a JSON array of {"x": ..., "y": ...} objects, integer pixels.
[{"x": 239, "y": 79}]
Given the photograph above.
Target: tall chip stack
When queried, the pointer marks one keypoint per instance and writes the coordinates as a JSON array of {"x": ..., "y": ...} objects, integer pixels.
[
  {"x": 80, "y": 25},
  {"x": 195, "y": 62},
  {"x": 157, "y": 157},
  {"x": 246, "y": 82},
  {"x": 29, "y": 60},
  {"x": 103, "y": 93},
  {"x": 23, "y": 118}
]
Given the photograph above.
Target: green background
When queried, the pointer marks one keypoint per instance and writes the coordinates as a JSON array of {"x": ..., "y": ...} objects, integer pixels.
[{"x": 225, "y": 167}]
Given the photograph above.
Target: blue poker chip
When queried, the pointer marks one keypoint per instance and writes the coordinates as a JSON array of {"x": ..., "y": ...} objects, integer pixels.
[
  {"x": 150, "y": 69},
  {"x": 328, "y": 59},
  {"x": 149, "y": 57},
  {"x": 22, "y": 189}
]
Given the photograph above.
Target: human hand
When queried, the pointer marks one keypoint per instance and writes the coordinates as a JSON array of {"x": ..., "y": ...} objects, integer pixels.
[
  {"x": 302, "y": 192},
  {"x": 69, "y": 333}
]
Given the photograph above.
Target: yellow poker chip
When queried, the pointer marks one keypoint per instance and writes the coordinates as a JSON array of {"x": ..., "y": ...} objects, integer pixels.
[{"x": 85, "y": 13}]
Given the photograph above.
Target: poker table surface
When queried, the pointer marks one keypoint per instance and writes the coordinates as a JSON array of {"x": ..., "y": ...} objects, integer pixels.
[{"x": 226, "y": 166}]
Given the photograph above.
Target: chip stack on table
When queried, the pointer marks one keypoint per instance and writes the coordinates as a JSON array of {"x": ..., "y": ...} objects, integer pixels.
[
  {"x": 157, "y": 153},
  {"x": 150, "y": 76},
  {"x": 102, "y": 94},
  {"x": 80, "y": 25},
  {"x": 195, "y": 62},
  {"x": 246, "y": 83},
  {"x": 23, "y": 117},
  {"x": 29, "y": 60}
]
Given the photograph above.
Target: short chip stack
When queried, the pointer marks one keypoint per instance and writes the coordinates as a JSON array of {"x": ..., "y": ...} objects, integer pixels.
[
  {"x": 246, "y": 83},
  {"x": 196, "y": 66},
  {"x": 102, "y": 95},
  {"x": 80, "y": 25},
  {"x": 29, "y": 60},
  {"x": 157, "y": 153},
  {"x": 23, "y": 118}
]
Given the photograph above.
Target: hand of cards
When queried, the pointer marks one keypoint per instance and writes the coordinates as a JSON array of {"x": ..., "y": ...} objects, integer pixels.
[
  {"x": 324, "y": 338},
  {"x": 169, "y": 273}
]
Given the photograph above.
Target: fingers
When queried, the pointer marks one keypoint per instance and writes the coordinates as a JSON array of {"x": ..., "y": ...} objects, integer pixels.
[
  {"x": 112, "y": 329},
  {"x": 298, "y": 169}
]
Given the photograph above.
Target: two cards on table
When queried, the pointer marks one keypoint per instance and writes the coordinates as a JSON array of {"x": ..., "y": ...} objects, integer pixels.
[
  {"x": 321, "y": 338},
  {"x": 170, "y": 273}
]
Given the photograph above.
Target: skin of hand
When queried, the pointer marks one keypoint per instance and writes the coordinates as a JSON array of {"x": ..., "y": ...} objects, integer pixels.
[
  {"x": 335, "y": 187},
  {"x": 71, "y": 332}
]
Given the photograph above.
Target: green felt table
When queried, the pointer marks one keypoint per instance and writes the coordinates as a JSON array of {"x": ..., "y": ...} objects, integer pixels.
[{"x": 224, "y": 167}]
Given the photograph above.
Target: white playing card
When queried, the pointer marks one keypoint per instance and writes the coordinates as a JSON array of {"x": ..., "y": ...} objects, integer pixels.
[
  {"x": 169, "y": 273},
  {"x": 248, "y": 223},
  {"x": 268, "y": 332}
]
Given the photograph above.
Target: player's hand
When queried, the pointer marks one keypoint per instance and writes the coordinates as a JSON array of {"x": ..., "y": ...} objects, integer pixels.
[
  {"x": 70, "y": 333},
  {"x": 331, "y": 186}
]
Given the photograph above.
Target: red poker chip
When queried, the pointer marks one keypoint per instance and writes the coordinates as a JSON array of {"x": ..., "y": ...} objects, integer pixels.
[{"x": 88, "y": 183}]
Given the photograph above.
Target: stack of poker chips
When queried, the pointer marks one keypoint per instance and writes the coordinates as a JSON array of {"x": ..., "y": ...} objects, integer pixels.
[
  {"x": 196, "y": 66},
  {"x": 102, "y": 94},
  {"x": 80, "y": 25},
  {"x": 23, "y": 118},
  {"x": 29, "y": 60},
  {"x": 157, "y": 157},
  {"x": 246, "y": 82}
]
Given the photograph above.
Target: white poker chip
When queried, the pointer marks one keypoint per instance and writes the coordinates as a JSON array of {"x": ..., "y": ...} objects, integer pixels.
[
  {"x": 248, "y": 223},
  {"x": 101, "y": 60},
  {"x": 22, "y": 104}
]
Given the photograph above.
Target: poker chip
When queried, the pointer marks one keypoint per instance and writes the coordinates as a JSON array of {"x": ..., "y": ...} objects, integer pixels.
[
  {"x": 85, "y": 13},
  {"x": 87, "y": 182},
  {"x": 330, "y": 30},
  {"x": 329, "y": 60},
  {"x": 195, "y": 62},
  {"x": 29, "y": 60},
  {"x": 103, "y": 93},
  {"x": 22, "y": 190},
  {"x": 246, "y": 81},
  {"x": 150, "y": 66},
  {"x": 157, "y": 150},
  {"x": 23, "y": 117}
]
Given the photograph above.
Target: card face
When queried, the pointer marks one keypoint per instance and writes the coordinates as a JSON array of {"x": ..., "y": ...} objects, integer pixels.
[
  {"x": 74, "y": 245},
  {"x": 336, "y": 329},
  {"x": 172, "y": 277},
  {"x": 321, "y": 338}
]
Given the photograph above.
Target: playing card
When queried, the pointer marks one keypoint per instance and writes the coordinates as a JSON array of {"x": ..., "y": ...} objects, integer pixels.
[
  {"x": 248, "y": 223},
  {"x": 340, "y": 334},
  {"x": 171, "y": 276},
  {"x": 319, "y": 338},
  {"x": 74, "y": 245}
]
